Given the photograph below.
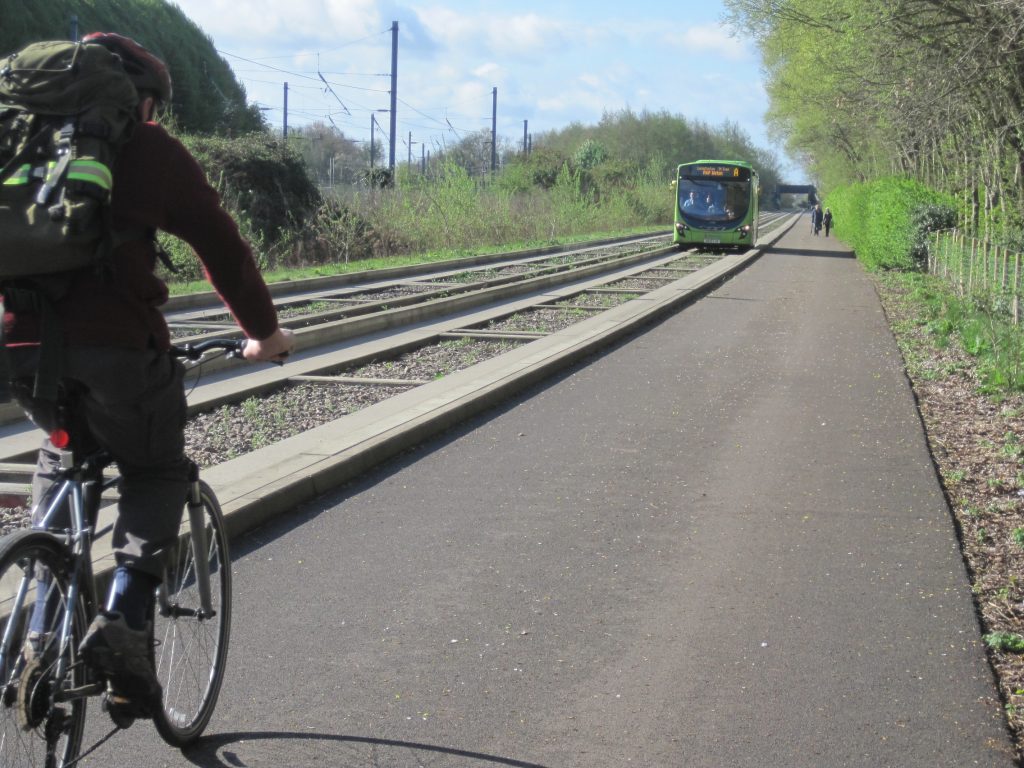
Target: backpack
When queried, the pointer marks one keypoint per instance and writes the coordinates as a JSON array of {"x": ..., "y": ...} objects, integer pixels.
[{"x": 65, "y": 110}]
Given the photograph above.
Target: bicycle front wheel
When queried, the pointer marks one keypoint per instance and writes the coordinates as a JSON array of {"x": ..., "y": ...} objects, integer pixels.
[
  {"x": 39, "y": 723},
  {"x": 191, "y": 642}
]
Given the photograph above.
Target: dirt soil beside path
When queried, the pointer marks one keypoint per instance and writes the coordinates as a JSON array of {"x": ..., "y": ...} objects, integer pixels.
[{"x": 977, "y": 443}]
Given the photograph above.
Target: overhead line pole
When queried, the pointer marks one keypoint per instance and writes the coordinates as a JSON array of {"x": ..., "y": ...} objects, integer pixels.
[
  {"x": 394, "y": 93},
  {"x": 494, "y": 129}
]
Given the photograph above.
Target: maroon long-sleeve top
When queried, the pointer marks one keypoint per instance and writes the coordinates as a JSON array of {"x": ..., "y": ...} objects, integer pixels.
[{"x": 157, "y": 185}]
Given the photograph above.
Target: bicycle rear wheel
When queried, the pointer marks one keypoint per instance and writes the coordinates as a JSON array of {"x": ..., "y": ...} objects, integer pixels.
[
  {"x": 32, "y": 723},
  {"x": 191, "y": 647}
]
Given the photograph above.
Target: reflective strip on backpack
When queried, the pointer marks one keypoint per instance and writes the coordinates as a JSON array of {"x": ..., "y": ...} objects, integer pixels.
[
  {"x": 91, "y": 171},
  {"x": 21, "y": 176}
]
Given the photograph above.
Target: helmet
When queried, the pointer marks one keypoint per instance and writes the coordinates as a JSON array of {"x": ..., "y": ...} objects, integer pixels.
[{"x": 147, "y": 71}]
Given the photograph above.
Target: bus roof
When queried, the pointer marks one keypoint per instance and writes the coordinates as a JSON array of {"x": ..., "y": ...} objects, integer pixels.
[{"x": 742, "y": 163}]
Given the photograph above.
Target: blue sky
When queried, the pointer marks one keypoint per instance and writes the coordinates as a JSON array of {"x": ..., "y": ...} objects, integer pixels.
[{"x": 551, "y": 64}]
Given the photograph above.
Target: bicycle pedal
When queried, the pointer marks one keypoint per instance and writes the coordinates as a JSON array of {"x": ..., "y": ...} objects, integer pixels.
[{"x": 122, "y": 711}]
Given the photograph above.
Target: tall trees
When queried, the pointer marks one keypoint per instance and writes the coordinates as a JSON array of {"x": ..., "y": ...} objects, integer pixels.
[
  {"x": 657, "y": 142},
  {"x": 933, "y": 89}
]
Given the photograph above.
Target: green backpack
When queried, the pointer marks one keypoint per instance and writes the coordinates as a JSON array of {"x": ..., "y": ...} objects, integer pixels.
[{"x": 65, "y": 110}]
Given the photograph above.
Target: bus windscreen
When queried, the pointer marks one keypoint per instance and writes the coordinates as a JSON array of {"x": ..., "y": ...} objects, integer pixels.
[{"x": 720, "y": 201}]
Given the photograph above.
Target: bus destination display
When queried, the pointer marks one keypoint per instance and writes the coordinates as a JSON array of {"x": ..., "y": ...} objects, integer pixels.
[{"x": 724, "y": 172}]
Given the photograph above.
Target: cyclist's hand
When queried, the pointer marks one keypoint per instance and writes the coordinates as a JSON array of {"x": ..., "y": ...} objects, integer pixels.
[{"x": 273, "y": 349}]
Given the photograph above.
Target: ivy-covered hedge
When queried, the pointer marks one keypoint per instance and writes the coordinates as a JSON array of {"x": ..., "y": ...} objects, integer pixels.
[
  {"x": 260, "y": 178},
  {"x": 264, "y": 185},
  {"x": 884, "y": 220}
]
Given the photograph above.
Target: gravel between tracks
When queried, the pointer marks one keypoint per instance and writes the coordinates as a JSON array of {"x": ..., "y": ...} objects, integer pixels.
[{"x": 232, "y": 430}]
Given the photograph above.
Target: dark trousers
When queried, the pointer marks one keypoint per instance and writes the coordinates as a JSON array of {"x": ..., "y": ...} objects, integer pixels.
[{"x": 130, "y": 403}]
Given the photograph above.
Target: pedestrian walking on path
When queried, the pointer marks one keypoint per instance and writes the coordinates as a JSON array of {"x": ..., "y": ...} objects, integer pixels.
[{"x": 816, "y": 217}]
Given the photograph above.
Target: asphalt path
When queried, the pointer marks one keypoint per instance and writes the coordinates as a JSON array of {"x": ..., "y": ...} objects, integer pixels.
[{"x": 721, "y": 543}]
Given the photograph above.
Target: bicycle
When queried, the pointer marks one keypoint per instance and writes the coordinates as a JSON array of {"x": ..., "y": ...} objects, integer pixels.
[{"x": 44, "y": 683}]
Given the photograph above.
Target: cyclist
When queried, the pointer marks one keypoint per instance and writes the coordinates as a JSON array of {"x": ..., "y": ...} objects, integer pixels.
[{"x": 131, "y": 399}]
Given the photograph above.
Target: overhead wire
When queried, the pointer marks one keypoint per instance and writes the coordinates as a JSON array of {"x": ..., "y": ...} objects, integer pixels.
[{"x": 324, "y": 86}]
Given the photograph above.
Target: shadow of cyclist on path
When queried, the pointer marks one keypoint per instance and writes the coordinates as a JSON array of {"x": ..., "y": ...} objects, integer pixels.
[{"x": 298, "y": 749}]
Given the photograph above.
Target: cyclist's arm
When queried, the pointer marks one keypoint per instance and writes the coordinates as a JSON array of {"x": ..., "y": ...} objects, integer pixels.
[
  {"x": 274, "y": 348},
  {"x": 190, "y": 208}
]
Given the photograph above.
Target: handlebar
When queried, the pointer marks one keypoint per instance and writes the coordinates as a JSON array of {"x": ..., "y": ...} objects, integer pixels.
[{"x": 196, "y": 351}]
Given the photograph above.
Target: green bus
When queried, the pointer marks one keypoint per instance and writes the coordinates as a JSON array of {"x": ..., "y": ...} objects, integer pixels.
[{"x": 715, "y": 204}]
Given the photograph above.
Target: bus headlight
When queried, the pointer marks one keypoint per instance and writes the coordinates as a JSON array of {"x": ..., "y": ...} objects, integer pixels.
[
  {"x": 744, "y": 230},
  {"x": 680, "y": 227}
]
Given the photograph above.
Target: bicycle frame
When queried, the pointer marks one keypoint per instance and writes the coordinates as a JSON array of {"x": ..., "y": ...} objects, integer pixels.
[
  {"x": 79, "y": 540},
  {"x": 78, "y": 487}
]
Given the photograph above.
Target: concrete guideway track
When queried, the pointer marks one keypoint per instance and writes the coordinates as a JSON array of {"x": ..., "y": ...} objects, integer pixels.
[
  {"x": 257, "y": 486},
  {"x": 328, "y": 346}
]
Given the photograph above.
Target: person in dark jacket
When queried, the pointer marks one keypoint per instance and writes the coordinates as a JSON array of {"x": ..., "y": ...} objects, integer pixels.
[
  {"x": 816, "y": 217},
  {"x": 115, "y": 354},
  {"x": 826, "y": 220}
]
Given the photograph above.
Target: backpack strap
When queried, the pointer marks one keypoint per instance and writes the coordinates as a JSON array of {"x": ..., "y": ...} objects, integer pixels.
[{"x": 55, "y": 176}]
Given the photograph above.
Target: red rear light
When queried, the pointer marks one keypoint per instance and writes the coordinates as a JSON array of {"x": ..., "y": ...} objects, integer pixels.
[{"x": 60, "y": 438}]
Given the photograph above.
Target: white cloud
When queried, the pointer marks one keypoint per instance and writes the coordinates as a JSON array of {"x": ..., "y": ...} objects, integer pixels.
[
  {"x": 282, "y": 25},
  {"x": 488, "y": 71},
  {"x": 509, "y": 35},
  {"x": 713, "y": 38}
]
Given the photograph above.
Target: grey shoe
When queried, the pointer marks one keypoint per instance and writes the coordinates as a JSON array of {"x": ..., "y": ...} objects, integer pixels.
[{"x": 122, "y": 655}]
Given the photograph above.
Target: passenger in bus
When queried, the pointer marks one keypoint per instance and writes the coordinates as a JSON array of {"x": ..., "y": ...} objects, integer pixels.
[
  {"x": 691, "y": 202},
  {"x": 710, "y": 208}
]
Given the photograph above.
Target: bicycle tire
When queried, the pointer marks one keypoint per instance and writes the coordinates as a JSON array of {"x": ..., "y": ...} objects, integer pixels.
[
  {"x": 24, "y": 692},
  {"x": 190, "y": 653}
]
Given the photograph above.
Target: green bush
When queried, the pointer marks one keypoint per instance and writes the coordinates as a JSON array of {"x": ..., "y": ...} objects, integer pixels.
[
  {"x": 267, "y": 189},
  {"x": 882, "y": 220},
  {"x": 259, "y": 177}
]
